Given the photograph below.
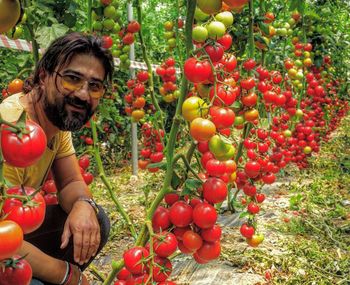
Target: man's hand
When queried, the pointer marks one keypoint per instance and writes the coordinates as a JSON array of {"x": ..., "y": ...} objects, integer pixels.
[{"x": 83, "y": 225}]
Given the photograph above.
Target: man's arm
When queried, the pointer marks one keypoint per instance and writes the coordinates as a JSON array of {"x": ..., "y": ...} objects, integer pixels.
[{"x": 82, "y": 222}]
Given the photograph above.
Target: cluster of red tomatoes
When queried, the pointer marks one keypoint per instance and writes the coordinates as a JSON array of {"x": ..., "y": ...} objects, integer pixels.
[
  {"x": 84, "y": 163},
  {"x": 134, "y": 99},
  {"x": 152, "y": 151},
  {"x": 23, "y": 209},
  {"x": 15, "y": 86},
  {"x": 167, "y": 73}
]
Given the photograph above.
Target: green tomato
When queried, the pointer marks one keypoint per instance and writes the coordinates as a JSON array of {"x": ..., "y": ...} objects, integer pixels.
[
  {"x": 289, "y": 32},
  {"x": 282, "y": 32},
  {"x": 24, "y": 18},
  {"x": 239, "y": 120},
  {"x": 97, "y": 26},
  {"x": 299, "y": 113},
  {"x": 226, "y": 18},
  {"x": 199, "y": 34},
  {"x": 18, "y": 32},
  {"x": 172, "y": 42},
  {"x": 298, "y": 63},
  {"x": 108, "y": 24},
  {"x": 126, "y": 49},
  {"x": 94, "y": 16},
  {"x": 116, "y": 52},
  {"x": 116, "y": 28},
  {"x": 210, "y": 6},
  {"x": 287, "y": 133},
  {"x": 124, "y": 57},
  {"x": 291, "y": 22},
  {"x": 109, "y": 12},
  {"x": 221, "y": 150},
  {"x": 299, "y": 75},
  {"x": 216, "y": 30},
  {"x": 199, "y": 15},
  {"x": 169, "y": 35}
]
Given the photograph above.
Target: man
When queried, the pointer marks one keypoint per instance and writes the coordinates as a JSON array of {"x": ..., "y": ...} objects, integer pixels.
[{"x": 66, "y": 87}]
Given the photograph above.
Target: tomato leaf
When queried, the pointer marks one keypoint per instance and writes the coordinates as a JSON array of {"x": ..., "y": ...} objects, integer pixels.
[
  {"x": 243, "y": 215},
  {"x": 191, "y": 186},
  {"x": 45, "y": 35},
  {"x": 264, "y": 27},
  {"x": 175, "y": 181}
]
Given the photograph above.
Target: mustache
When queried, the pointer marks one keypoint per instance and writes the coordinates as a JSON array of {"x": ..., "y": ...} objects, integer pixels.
[{"x": 75, "y": 101}]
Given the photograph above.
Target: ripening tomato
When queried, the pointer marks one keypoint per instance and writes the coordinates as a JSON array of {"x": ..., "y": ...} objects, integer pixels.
[
  {"x": 255, "y": 240},
  {"x": 194, "y": 107},
  {"x": 15, "y": 86},
  {"x": 202, "y": 129},
  {"x": 30, "y": 213},
  {"x": 16, "y": 271},
  {"x": 11, "y": 237},
  {"x": 250, "y": 100},
  {"x": 24, "y": 151}
]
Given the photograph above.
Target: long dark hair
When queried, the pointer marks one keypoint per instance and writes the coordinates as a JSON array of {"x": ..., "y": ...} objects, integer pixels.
[{"x": 61, "y": 52}]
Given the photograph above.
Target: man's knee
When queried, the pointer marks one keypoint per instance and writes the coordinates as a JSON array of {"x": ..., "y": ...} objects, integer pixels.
[{"x": 104, "y": 226}]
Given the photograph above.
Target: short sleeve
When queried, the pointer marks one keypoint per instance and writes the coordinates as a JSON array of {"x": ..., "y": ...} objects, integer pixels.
[
  {"x": 14, "y": 175},
  {"x": 65, "y": 147}
]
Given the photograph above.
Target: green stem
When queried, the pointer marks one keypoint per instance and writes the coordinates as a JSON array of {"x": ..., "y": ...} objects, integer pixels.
[
  {"x": 251, "y": 48},
  {"x": 116, "y": 267},
  {"x": 89, "y": 15},
  {"x": 148, "y": 63},
  {"x": 246, "y": 131},
  {"x": 35, "y": 44},
  {"x": 190, "y": 152},
  {"x": 188, "y": 166},
  {"x": 104, "y": 179}
]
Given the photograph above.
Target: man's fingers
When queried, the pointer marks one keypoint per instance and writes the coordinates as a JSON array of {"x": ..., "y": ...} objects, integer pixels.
[
  {"x": 78, "y": 244},
  {"x": 65, "y": 236},
  {"x": 97, "y": 242},
  {"x": 86, "y": 247}
]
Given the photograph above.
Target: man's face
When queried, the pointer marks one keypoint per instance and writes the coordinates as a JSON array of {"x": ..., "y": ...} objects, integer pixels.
[{"x": 67, "y": 108}]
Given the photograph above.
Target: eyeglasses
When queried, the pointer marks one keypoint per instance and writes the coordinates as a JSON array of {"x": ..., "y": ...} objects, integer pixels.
[{"x": 73, "y": 82}]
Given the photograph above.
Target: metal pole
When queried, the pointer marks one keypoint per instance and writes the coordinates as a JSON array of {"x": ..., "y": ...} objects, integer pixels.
[{"x": 134, "y": 150}]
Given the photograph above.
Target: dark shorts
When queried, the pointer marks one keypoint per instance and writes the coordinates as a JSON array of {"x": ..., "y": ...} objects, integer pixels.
[{"x": 48, "y": 237}]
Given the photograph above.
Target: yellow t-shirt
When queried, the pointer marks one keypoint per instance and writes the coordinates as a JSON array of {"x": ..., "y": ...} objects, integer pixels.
[{"x": 35, "y": 175}]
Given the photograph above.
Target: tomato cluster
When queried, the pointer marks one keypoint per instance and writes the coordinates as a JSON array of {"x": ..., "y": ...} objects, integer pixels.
[
  {"x": 167, "y": 73},
  {"x": 134, "y": 99},
  {"x": 169, "y": 33},
  {"x": 152, "y": 151}
]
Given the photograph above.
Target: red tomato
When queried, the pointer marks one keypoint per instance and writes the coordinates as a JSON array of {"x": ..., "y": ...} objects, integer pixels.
[
  {"x": 252, "y": 169},
  {"x": 18, "y": 271},
  {"x": 215, "y": 52},
  {"x": 204, "y": 215},
  {"x": 162, "y": 269},
  {"x": 248, "y": 83},
  {"x": 214, "y": 189},
  {"x": 171, "y": 198},
  {"x": 253, "y": 208},
  {"x": 215, "y": 167},
  {"x": 142, "y": 76},
  {"x": 164, "y": 244},
  {"x": 123, "y": 274},
  {"x": 11, "y": 237},
  {"x": 28, "y": 214},
  {"x": 226, "y": 95},
  {"x": 197, "y": 71},
  {"x": 222, "y": 117},
  {"x": 247, "y": 231},
  {"x": 84, "y": 161},
  {"x": 88, "y": 178},
  {"x": 49, "y": 187},
  {"x": 15, "y": 86},
  {"x": 161, "y": 219},
  {"x": 134, "y": 27},
  {"x": 225, "y": 41},
  {"x": 192, "y": 240},
  {"x": 89, "y": 141},
  {"x": 51, "y": 199},
  {"x": 128, "y": 39},
  {"x": 120, "y": 282},
  {"x": 209, "y": 250},
  {"x": 181, "y": 214},
  {"x": 249, "y": 100},
  {"x": 25, "y": 151},
  {"x": 167, "y": 283},
  {"x": 212, "y": 234},
  {"x": 107, "y": 42},
  {"x": 134, "y": 259}
]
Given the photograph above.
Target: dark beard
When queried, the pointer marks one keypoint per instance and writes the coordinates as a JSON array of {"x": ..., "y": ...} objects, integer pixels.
[{"x": 68, "y": 120}]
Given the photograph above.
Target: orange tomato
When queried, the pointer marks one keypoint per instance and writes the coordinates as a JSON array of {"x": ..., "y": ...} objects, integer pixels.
[
  {"x": 143, "y": 163},
  {"x": 202, "y": 129},
  {"x": 251, "y": 115},
  {"x": 15, "y": 86},
  {"x": 137, "y": 115},
  {"x": 139, "y": 103}
]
